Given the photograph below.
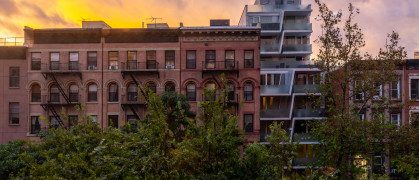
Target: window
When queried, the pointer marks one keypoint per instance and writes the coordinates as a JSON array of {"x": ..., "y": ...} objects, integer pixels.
[
  {"x": 35, "y": 61},
  {"x": 378, "y": 92},
  {"x": 92, "y": 60},
  {"x": 54, "y": 58},
  {"x": 151, "y": 60},
  {"x": 132, "y": 60},
  {"x": 358, "y": 88},
  {"x": 191, "y": 92},
  {"x": 113, "y": 121},
  {"x": 210, "y": 59},
  {"x": 54, "y": 94},
  {"x": 92, "y": 93},
  {"x": 170, "y": 59},
  {"x": 248, "y": 59},
  {"x": 230, "y": 91},
  {"x": 272, "y": 79},
  {"x": 361, "y": 117},
  {"x": 14, "y": 77},
  {"x": 229, "y": 59},
  {"x": 414, "y": 119},
  {"x": 72, "y": 121},
  {"x": 93, "y": 118},
  {"x": 35, "y": 124},
  {"x": 132, "y": 120},
  {"x": 132, "y": 92},
  {"x": 74, "y": 93},
  {"x": 210, "y": 96},
  {"x": 248, "y": 122},
  {"x": 378, "y": 162},
  {"x": 113, "y": 60},
  {"x": 74, "y": 61},
  {"x": 53, "y": 122},
  {"x": 395, "y": 119},
  {"x": 36, "y": 93},
  {"x": 14, "y": 113},
  {"x": 190, "y": 59},
  {"x": 170, "y": 87},
  {"x": 113, "y": 93},
  {"x": 248, "y": 92},
  {"x": 395, "y": 90},
  {"x": 414, "y": 88},
  {"x": 152, "y": 87}
]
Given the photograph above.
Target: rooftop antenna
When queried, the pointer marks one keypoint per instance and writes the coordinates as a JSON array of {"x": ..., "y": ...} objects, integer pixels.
[
  {"x": 83, "y": 19},
  {"x": 155, "y": 20}
]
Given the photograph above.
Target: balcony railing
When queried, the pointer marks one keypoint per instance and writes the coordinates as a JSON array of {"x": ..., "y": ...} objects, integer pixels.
[
  {"x": 232, "y": 97},
  {"x": 274, "y": 113},
  {"x": 303, "y": 161},
  {"x": 140, "y": 66},
  {"x": 275, "y": 89},
  {"x": 227, "y": 65},
  {"x": 277, "y": 8},
  {"x": 132, "y": 99},
  {"x": 287, "y": 64},
  {"x": 296, "y": 47},
  {"x": 310, "y": 113},
  {"x": 303, "y": 137},
  {"x": 308, "y": 88},
  {"x": 268, "y": 26},
  {"x": 264, "y": 134},
  {"x": 269, "y": 48},
  {"x": 12, "y": 41},
  {"x": 60, "y": 67},
  {"x": 297, "y": 26}
]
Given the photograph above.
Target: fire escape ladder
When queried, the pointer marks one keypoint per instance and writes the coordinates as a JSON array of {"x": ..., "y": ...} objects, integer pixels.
[
  {"x": 133, "y": 111},
  {"x": 135, "y": 80},
  {"x": 216, "y": 80},
  {"x": 56, "y": 115},
  {"x": 61, "y": 90}
]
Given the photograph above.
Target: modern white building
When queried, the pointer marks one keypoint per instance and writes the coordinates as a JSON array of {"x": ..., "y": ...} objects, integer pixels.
[{"x": 288, "y": 80}]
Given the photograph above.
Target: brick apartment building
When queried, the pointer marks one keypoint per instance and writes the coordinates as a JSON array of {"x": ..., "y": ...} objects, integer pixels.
[{"x": 101, "y": 68}]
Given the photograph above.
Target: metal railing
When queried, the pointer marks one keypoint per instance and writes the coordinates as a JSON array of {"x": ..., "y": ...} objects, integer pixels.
[
  {"x": 312, "y": 113},
  {"x": 220, "y": 65},
  {"x": 12, "y": 41},
  {"x": 138, "y": 66},
  {"x": 232, "y": 97},
  {"x": 296, "y": 47},
  {"x": 132, "y": 99},
  {"x": 60, "y": 67},
  {"x": 274, "y": 113}
]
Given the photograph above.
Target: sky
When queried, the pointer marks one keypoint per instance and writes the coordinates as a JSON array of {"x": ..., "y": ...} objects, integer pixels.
[{"x": 376, "y": 18}]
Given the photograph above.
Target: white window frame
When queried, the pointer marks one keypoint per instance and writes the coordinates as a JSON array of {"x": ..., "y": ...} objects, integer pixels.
[
  {"x": 398, "y": 90},
  {"x": 380, "y": 93},
  {"x": 397, "y": 115},
  {"x": 361, "y": 116}
]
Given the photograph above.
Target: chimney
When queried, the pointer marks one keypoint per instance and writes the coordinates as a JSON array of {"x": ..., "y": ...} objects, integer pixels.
[{"x": 181, "y": 24}]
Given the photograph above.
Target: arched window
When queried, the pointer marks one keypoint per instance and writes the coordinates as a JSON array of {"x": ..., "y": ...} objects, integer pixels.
[
  {"x": 54, "y": 94},
  {"x": 132, "y": 92},
  {"x": 113, "y": 93},
  {"x": 231, "y": 91},
  {"x": 248, "y": 91},
  {"x": 74, "y": 93},
  {"x": 36, "y": 93},
  {"x": 211, "y": 96},
  {"x": 191, "y": 92},
  {"x": 170, "y": 87},
  {"x": 152, "y": 87},
  {"x": 92, "y": 93}
]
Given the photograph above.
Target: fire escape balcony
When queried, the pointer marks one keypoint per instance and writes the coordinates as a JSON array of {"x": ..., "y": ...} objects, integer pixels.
[
  {"x": 232, "y": 98},
  {"x": 227, "y": 66},
  {"x": 60, "y": 68},
  {"x": 140, "y": 68},
  {"x": 132, "y": 100}
]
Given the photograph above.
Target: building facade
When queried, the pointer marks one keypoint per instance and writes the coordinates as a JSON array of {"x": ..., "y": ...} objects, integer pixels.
[
  {"x": 286, "y": 78},
  {"x": 100, "y": 68}
]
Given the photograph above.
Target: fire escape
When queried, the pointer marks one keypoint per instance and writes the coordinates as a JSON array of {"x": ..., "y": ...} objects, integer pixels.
[
  {"x": 215, "y": 69},
  {"x": 53, "y": 70},
  {"x": 133, "y": 69}
]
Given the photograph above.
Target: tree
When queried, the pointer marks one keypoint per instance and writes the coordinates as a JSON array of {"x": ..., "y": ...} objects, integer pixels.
[
  {"x": 10, "y": 163},
  {"x": 352, "y": 83}
]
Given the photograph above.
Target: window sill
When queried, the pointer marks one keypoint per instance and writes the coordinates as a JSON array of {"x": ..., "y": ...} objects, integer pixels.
[
  {"x": 14, "y": 87},
  {"x": 14, "y": 124},
  {"x": 92, "y": 102},
  {"x": 113, "y": 102},
  {"x": 32, "y": 135},
  {"x": 35, "y": 103}
]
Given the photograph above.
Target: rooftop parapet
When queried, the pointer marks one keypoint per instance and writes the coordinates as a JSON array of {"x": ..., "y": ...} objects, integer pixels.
[{"x": 11, "y": 41}]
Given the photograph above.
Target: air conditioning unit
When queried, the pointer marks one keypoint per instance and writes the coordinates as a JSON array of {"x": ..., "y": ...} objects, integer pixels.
[
  {"x": 170, "y": 66},
  {"x": 113, "y": 67},
  {"x": 376, "y": 97},
  {"x": 92, "y": 67}
]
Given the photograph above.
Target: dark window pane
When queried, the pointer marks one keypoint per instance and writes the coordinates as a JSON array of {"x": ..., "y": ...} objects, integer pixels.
[
  {"x": 14, "y": 79},
  {"x": 35, "y": 124},
  {"x": 190, "y": 59},
  {"x": 248, "y": 122},
  {"x": 113, "y": 121},
  {"x": 14, "y": 113}
]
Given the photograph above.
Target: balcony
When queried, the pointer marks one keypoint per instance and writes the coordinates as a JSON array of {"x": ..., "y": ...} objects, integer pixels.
[
  {"x": 274, "y": 114},
  {"x": 134, "y": 67},
  {"x": 268, "y": 26},
  {"x": 227, "y": 66},
  {"x": 298, "y": 26},
  {"x": 55, "y": 99},
  {"x": 266, "y": 90},
  {"x": 56, "y": 67},
  {"x": 287, "y": 64},
  {"x": 304, "y": 138},
  {"x": 277, "y": 8},
  {"x": 269, "y": 48},
  {"x": 290, "y": 48},
  {"x": 132, "y": 99},
  {"x": 232, "y": 98},
  {"x": 307, "y": 88},
  {"x": 303, "y": 161},
  {"x": 310, "y": 113}
]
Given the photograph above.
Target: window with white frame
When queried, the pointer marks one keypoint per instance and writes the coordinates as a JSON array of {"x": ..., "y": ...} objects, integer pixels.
[
  {"x": 378, "y": 91},
  {"x": 358, "y": 94},
  {"x": 361, "y": 116},
  {"x": 272, "y": 79},
  {"x": 414, "y": 88},
  {"x": 395, "y": 90},
  {"x": 395, "y": 119}
]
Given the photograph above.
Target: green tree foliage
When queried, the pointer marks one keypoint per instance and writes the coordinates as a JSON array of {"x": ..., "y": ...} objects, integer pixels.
[
  {"x": 351, "y": 83},
  {"x": 9, "y": 158}
]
